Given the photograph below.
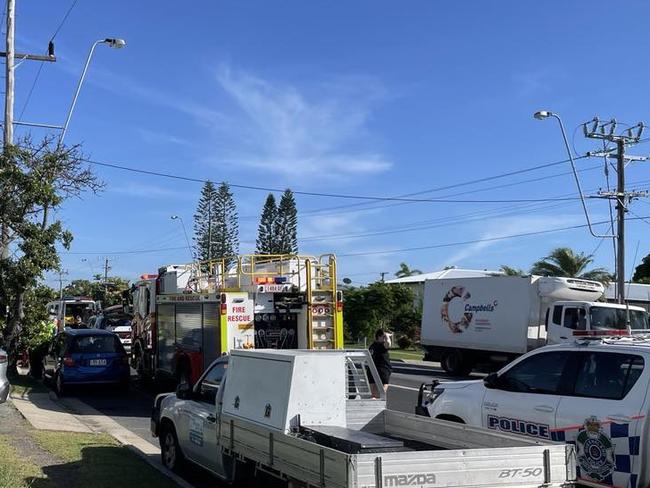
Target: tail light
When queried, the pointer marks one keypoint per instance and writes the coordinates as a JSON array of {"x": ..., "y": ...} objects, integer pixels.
[
  {"x": 339, "y": 301},
  {"x": 68, "y": 361},
  {"x": 224, "y": 306},
  {"x": 3, "y": 358}
]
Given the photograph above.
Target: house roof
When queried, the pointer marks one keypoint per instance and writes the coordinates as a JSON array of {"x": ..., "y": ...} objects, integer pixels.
[{"x": 445, "y": 273}]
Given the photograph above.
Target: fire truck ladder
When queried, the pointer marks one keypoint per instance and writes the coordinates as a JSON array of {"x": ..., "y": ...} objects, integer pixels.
[{"x": 323, "y": 317}]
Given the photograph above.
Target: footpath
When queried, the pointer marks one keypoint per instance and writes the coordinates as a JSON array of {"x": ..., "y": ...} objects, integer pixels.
[{"x": 51, "y": 442}]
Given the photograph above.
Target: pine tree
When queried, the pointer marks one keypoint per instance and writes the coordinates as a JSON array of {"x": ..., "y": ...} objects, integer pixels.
[
  {"x": 266, "y": 232},
  {"x": 204, "y": 214},
  {"x": 225, "y": 225},
  {"x": 286, "y": 224},
  {"x": 216, "y": 226}
]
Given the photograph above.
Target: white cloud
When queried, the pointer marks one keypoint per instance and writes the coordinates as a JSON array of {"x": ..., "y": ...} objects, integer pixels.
[
  {"x": 155, "y": 137},
  {"x": 283, "y": 131}
]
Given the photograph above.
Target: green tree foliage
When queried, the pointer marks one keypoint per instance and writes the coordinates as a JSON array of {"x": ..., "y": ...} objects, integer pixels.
[
  {"x": 510, "y": 271},
  {"x": 35, "y": 180},
  {"x": 642, "y": 271},
  {"x": 204, "y": 218},
  {"x": 39, "y": 331},
  {"x": 216, "y": 225},
  {"x": 405, "y": 271},
  {"x": 111, "y": 294},
  {"x": 563, "y": 261},
  {"x": 286, "y": 225},
  {"x": 266, "y": 232},
  {"x": 380, "y": 305},
  {"x": 225, "y": 227}
]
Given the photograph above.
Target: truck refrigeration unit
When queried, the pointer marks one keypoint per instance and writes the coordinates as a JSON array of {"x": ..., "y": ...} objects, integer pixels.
[
  {"x": 494, "y": 319},
  {"x": 188, "y": 315}
]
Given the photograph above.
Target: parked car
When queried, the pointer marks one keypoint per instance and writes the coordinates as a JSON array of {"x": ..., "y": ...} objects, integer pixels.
[
  {"x": 121, "y": 327},
  {"x": 86, "y": 356},
  {"x": 4, "y": 382},
  {"x": 592, "y": 393}
]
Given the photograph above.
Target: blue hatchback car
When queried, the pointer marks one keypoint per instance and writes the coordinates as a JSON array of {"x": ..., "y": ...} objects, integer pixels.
[{"x": 86, "y": 356}]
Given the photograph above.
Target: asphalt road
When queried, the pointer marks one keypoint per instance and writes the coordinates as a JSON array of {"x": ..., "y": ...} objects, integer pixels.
[{"x": 132, "y": 409}]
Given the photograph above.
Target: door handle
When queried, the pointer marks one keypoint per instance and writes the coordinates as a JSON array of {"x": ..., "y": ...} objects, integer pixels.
[
  {"x": 544, "y": 408},
  {"x": 211, "y": 418},
  {"x": 563, "y": 337}
]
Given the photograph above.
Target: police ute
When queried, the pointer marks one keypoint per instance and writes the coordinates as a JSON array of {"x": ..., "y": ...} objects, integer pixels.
[
  {"x": 592, "y": 394},
  {"x": 307, "y": 418}
]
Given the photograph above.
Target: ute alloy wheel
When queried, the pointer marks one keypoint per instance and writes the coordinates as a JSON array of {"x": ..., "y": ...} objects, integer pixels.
[{"x": 170, "y": 451}]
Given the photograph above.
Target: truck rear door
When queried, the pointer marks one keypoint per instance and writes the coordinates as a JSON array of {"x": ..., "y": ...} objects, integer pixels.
[
  {"x": 603, "y": 416},
  {"x": 525, "y": 397}
]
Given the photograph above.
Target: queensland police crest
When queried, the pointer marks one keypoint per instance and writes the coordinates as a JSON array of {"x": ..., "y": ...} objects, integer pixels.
[{"x": 595, "y": 450}]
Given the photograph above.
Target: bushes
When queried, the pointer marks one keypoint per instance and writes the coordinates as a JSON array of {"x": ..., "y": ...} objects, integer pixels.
[{"x": 404, "y": 342}]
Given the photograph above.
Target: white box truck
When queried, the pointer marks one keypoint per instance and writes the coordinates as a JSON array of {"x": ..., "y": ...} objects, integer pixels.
[
  {"x": 308, "y": 419},
  {"x": 494, "y": 319}
]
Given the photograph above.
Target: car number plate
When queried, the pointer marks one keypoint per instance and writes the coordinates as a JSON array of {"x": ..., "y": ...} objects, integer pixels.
[{"x": 98, "y": 362}]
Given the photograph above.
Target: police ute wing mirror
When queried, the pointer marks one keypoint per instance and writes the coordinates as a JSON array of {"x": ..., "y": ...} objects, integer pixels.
[
  {"x": 491, "y": 381},
  {"x": 183, "y": 391}
]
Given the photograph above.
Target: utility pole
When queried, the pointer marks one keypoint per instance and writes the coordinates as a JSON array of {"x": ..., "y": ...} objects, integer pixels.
[
  {"x": 8, "y": 127},
  {"x": 382, "y": 274},
  {"x": 606, "y": 131},
  {"x": 9, "y": 75},
  {"x": 106, "y": 269},
  {"x": 62, "y": 273}
]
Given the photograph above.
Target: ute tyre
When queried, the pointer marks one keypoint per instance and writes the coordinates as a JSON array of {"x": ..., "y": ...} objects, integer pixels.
[
  {"x": 170, "y": 451},
  {"x": 455, "y": 363},
  {"x": 59, "y": 386}
]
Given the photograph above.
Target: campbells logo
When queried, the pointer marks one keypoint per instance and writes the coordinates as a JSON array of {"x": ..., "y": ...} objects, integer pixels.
[{"x": 419, "y": 479}]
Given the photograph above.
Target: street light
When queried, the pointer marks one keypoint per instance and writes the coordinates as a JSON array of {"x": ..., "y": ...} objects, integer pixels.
[
  {"x": 115, "y": 43},
  {"x": 187, "y": 240},
  {"x": 545, "y": 114}
]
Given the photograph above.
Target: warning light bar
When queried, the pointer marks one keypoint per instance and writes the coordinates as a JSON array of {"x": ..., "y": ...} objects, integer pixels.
[
  {"x": 148, "y": 276},
  {"x": 270, "y": 280},
  {"x": 601, "y": 333}
]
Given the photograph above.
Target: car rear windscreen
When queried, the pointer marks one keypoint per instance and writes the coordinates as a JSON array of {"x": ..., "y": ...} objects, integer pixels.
[{"x": 89, "y": 344}]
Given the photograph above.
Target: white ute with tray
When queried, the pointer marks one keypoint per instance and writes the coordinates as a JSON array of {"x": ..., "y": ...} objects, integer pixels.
[{"x": 307, "y": 418}]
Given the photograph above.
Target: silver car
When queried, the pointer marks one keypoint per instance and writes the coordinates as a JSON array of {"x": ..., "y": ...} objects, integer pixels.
[{"x": 4, "y": 383}]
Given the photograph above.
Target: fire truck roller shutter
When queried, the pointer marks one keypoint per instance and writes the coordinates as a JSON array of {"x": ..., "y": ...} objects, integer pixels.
[
  {"x": 211, "y": 333},
  {"x": 189, "y": 335},
  {"x": 166, "y": 337}
]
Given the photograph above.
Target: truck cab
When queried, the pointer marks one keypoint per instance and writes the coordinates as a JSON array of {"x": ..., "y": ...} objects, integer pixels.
[{"x": 569, "y": 320}]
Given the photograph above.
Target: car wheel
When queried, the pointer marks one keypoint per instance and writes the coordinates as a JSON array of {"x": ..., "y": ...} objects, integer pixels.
[
  {"x": 170, "y": 451},
  {"x": 59, "y": 386}
]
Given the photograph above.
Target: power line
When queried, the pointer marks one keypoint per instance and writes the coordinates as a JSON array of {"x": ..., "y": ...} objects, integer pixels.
[
  {"x": 40, "y": 68},
  {"x": 327, "y": 195},
  {"x": 476, "y": 241},
  {"x": 65, "y": 17}
]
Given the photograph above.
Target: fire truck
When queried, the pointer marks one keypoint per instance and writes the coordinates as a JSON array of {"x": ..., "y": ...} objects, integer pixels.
[{"x": 188, "y": 315}]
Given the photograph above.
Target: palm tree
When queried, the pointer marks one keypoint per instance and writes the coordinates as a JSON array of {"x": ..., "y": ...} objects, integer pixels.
[
  {"x": 510, "y": 271},
  {"x": 563, "y": 261},
  {"x": 405, "y": 271}
]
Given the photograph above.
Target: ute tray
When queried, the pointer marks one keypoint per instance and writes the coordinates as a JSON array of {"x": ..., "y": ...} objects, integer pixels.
[{"x": 351, "y": 441}]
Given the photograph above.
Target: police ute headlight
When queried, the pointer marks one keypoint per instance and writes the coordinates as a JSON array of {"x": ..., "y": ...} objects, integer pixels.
[{"x": 429, "y": 393}]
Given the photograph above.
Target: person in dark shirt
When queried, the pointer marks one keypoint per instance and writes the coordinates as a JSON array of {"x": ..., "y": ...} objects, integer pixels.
[{"x": 379, "y": 352}]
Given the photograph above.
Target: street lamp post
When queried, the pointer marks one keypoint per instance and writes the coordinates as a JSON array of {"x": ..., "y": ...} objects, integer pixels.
[
  {"x": 187, "y": 240},
  {"x": 111, "y": 42},
  {"x": 545, "y": 114}
]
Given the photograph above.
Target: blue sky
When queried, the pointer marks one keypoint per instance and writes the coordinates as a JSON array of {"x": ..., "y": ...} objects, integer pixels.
[{"x": 365, "y": 97}]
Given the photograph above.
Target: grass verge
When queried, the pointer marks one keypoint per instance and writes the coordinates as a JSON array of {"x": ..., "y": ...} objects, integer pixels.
[
  {"x": 22, "y": 384},
  {"x": 406, "y": 354},
  {"x": 96, "y": 460},
  {"x": 17, "y": 471}
]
